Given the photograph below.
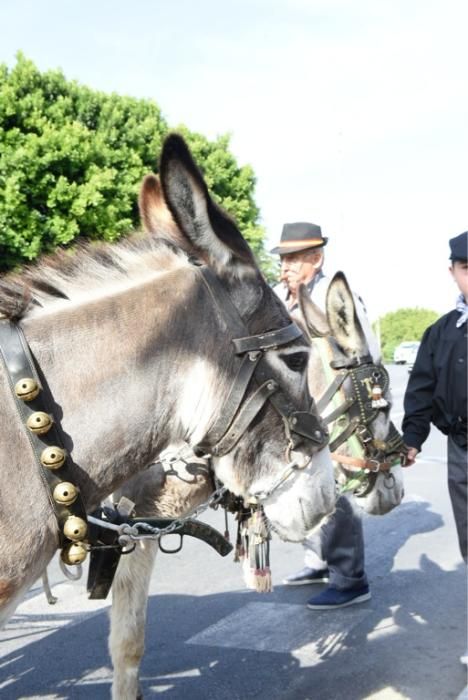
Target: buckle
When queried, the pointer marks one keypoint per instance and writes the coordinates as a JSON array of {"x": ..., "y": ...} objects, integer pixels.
[
  {"x": 364, "y": 434},
  {"x": 375, "y": 467}
]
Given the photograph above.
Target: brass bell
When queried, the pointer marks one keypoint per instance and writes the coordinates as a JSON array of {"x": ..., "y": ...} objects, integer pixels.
[
  {"x": 75, "y": 528},
  {"x": 39, "y": 422},
  {"x": 53, "y": 457},
  {"x": 380, "y": 445},
  {"x": 65, "y": 493},
  {"x": 27, "y": 389},
  {"x": 74, "y": 553}
]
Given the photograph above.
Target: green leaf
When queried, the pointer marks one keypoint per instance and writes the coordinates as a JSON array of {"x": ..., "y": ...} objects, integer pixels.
[{"x": 72, "y": 159}]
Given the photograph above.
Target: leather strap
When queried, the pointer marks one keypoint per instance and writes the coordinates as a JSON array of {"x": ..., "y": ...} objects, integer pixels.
[
  {"x": 235, "y": 396},
  {"x": 345, "y": 434},
  {"x": 330, "y": 392},
  {"x": 339, "y": 411},
  {"x": 264, "y": 341},
  {"x": 245, "y": 416},
  {"x": 351, "y": 363},
  {"x": 19, "y": 364},
  {"x": 371, "y": 465}
]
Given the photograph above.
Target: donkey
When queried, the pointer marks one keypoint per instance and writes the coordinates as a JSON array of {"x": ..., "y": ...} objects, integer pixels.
[
  {"x": 345, "y": 328},
  {"x": 138, "y": 344},
  {"x": 342, "y": 340}
]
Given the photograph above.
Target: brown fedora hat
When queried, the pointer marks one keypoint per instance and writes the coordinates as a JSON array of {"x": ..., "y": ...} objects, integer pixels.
[{"x": 299, "y": 236}]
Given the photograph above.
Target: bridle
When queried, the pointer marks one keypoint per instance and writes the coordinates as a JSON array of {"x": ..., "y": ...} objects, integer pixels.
[
  {"x": 363, "y": 383},
  {"x": 252, "y": 366}
]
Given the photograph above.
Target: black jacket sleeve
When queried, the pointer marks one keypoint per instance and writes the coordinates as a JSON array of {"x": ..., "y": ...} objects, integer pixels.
[{"x": 419, "y": 394}]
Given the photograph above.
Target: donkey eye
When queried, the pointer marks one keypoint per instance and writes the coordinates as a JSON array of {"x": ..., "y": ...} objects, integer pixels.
[{"x": 297, "y": 361}]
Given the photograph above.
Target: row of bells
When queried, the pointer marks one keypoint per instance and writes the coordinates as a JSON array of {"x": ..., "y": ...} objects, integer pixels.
[{"x": 65, "y": 493}]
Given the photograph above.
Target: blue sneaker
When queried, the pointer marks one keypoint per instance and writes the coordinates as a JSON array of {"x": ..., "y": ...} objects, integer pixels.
[
  {"x": 332, "y": 598},
  {"x": 306, "y": 575}
]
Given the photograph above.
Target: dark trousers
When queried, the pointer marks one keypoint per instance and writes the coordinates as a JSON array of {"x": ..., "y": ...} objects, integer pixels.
[
  {"x": 339, "y": 545},
  {"x": 457, "y": 467}
]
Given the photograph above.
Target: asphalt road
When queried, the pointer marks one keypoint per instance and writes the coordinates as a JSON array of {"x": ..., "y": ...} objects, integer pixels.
[{"x": 210, "y": 639}]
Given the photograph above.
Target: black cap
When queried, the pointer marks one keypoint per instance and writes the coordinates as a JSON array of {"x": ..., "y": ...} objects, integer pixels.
[
  {"x": 459, "y": 247},
  {"x": 299, "y": 236}
]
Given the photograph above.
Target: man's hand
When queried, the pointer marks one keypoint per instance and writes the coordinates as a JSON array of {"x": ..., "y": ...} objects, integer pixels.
[{"x": 408, "y": 459}]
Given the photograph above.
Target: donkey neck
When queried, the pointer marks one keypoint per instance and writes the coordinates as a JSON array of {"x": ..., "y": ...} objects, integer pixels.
[{"x": 113, "y": 366}]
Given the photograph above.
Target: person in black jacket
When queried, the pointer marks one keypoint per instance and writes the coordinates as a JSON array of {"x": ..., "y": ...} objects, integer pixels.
[{"x": 437, "y": 390}]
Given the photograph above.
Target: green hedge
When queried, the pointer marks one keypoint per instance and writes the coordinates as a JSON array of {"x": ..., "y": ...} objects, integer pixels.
[
  {"x": 403, "y": 325},
  {"x": 72, "y": 158}
]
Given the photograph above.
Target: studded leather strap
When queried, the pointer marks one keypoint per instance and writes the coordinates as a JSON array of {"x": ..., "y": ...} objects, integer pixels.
[{"x": 43, "y": 433}]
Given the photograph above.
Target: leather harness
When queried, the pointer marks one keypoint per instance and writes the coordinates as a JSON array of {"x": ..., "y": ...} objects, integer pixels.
[
  {"x": 250, "y": 349},
  {"x": 354, "y": 378}
]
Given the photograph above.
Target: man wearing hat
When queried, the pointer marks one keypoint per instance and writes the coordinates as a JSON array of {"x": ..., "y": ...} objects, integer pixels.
[
  {"x": 437, "y": 391},
  {"x": 336, "y": 553},
  {"x": 301, "y": 251}
]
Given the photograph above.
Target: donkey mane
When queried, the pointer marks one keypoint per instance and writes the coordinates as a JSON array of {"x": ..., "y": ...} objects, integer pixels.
[{"x": 72, "y": 274}]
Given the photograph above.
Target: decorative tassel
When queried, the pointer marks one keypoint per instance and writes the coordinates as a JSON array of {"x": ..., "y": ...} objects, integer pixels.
[
  {"x": 242, "y": 540},
  {"x": 239, "y": 550},
  {"x": 253, "y": 549},
  {"x": 378, "y": 400},
  {"x": 259, "y": 553}
]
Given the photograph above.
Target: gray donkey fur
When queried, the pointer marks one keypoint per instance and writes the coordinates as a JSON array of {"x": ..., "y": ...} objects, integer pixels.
[{"x": 137, "y": 356}]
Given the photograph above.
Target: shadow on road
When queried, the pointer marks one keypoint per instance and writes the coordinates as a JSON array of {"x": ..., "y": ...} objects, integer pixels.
[{"x": 407, "y": 638}]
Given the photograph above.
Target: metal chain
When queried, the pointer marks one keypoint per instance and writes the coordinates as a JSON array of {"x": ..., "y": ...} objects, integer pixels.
[
  {"x": 140, "y": 531},
  {"x": 131, "y": 533},
  {"x": 156, "y": 532}
]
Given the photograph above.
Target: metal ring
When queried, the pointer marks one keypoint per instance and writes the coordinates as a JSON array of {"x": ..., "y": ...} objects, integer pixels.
[{"x": 172, "y": 551}]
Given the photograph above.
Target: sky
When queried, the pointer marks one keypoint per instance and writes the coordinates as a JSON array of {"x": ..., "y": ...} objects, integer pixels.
[{"x": 352, "y": 113}]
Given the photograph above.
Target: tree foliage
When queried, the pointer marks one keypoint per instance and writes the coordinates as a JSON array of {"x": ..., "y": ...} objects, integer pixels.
[
  {"x": 72, "y": 158},
  {"x": 403, "y": 325}
]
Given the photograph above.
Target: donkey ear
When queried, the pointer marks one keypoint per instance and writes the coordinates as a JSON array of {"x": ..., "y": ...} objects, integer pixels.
[
  {"x": 315, "y": 320},
  {"x": 208, "y": 228},
  {"x": 343, "y": 319},
  {"x": 154, "y": 213}
]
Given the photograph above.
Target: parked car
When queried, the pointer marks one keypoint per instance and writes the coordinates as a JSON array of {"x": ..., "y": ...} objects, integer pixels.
[{"x": 405, "y": 353}]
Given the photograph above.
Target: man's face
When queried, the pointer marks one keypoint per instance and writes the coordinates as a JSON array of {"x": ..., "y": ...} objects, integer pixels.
[
  {"x": 301, "y": 267},
  {"x": 459, "y": 272}
]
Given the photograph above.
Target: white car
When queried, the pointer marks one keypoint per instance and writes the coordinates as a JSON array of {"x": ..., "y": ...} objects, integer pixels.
[{"x": 405, "y": 353}]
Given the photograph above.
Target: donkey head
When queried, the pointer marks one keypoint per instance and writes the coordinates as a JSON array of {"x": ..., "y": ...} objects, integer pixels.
[
  {"x": 255, "y": 357},
  {"x": 343, "y": 340}
]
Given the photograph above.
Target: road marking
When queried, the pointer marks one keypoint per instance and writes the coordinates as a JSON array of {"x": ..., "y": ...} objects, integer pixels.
[
  {"x": 387, "y": 694},
  {"x": 283, "y": 628},
  {"x": 100, "y": 676}
]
